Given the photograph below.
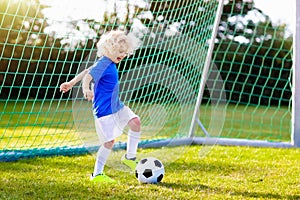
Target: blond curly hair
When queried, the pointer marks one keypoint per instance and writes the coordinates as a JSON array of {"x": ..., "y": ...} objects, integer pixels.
[{"x": 115, "y": 42}]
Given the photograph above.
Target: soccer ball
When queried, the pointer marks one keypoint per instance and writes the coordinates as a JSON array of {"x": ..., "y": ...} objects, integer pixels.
[{"x": 149, "y": 170}]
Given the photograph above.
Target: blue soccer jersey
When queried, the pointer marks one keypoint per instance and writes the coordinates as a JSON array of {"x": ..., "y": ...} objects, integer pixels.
[{"x": 106, "y": 87}]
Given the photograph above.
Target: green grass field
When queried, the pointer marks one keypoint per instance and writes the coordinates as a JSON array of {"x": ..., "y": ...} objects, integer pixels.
[{"x": 225, "y": 173}]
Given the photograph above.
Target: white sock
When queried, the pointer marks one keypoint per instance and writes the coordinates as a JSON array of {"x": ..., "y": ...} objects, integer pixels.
[
  {"x": 132, "y": 143},
  {"x": 102, "y": 156}
]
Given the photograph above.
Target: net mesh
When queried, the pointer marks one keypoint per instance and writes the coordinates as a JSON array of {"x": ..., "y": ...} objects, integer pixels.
[
  {"x": 253, "y": 62},
  {"x": 45, "y": 43}
]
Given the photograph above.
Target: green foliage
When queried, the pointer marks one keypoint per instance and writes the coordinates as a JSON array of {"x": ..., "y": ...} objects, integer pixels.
[
  {"x": 24, "y": 49},
  {"x": 33, "y": 61},
  {"x": 253, "y": 55},
  {"x": 224, "y": 173}
]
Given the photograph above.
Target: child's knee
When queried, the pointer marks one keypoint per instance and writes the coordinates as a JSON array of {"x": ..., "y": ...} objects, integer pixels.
[
  {"x": 109, "y": 145},
  {"x": 135, "y": 124}
]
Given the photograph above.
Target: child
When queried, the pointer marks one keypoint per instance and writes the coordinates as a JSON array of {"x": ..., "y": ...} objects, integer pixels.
[{"x": 111, "y": 115}]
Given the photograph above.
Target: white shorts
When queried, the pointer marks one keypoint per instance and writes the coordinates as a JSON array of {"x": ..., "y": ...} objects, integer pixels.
[{"x": 111, "y": 126}]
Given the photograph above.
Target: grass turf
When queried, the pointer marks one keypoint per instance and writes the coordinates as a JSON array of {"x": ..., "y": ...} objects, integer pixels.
[
  {"x": 29, "y": 125},
  {"x": 224, "y": 173}
]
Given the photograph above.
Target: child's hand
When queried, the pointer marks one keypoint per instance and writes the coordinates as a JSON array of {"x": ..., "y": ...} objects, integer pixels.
[
  {"x": 88, "y": 94},
  {"x": 65, "y": 87}
]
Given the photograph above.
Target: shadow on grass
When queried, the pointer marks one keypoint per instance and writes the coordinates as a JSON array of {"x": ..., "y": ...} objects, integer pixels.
[
  {"x": 218, "y": 169},
  {"x": 265, "y": 195},
  {"x": 221, "y": 191},
  {"x": 184, "y": 187}
]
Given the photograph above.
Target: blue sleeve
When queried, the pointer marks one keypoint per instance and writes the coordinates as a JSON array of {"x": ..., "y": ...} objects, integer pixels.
[{"x": 97, "y": 71}]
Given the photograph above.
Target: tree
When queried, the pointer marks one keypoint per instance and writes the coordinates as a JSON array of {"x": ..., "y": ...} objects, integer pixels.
[
  {"x": 23, "y": 48},
  {"x": 246, "y": 50},
  {"x": 253, "y": 55}
]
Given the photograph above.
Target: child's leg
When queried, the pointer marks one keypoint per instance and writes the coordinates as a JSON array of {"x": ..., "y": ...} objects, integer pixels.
[
  {"x": 102, "y": 156},
  {"x": 133, "y": 137}
]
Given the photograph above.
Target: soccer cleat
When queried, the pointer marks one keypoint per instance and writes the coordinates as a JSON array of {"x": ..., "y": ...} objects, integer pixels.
[
  {"x": 102, "y": 178},
  {"x": 131, "y": 163}
]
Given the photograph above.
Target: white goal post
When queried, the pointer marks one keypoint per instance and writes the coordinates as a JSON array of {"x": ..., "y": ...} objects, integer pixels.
[
  {"x": 295, "y": 119},
  {"x": 296, "y": 80}
]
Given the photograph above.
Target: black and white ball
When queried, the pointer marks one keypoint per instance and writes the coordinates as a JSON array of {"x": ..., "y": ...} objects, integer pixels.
[{"x": 149, "y": 170}]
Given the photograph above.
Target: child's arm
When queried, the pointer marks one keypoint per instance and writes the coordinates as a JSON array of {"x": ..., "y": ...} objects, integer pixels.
[
  {"x": 66, "y": 86},
  {"x": 87, "y": 92}
]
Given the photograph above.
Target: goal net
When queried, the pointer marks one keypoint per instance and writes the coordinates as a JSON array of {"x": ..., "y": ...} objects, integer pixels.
[{"x": 199, "y": 76}]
